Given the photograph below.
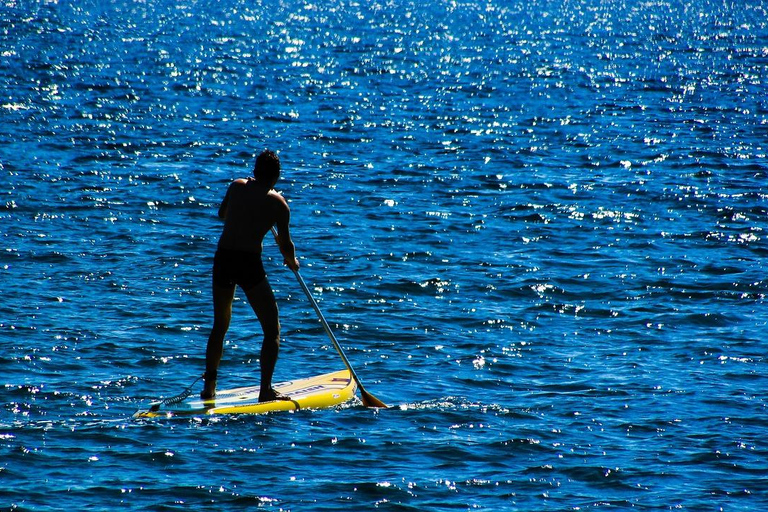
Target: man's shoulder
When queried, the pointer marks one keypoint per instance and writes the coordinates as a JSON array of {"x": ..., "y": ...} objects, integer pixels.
[{"x": 277, "y": 197}]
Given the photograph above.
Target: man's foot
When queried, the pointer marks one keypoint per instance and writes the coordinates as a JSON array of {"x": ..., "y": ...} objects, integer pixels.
[
  {"x": 269, "y": 395},
  {"x": 209, "y": 386}
]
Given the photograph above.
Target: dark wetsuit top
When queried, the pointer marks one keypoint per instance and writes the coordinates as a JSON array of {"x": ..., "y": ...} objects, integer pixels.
[{"x": 242, "y": 268}]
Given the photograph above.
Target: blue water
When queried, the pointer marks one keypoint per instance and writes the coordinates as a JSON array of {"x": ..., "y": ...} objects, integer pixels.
[{"x": 537, "y": 228}]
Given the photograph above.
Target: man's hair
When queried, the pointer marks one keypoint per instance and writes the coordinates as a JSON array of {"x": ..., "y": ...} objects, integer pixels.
[{"x": 267, "y": 166}]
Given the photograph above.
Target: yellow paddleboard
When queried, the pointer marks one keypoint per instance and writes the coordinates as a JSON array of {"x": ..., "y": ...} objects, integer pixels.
[{"x": 316, "y": 392}]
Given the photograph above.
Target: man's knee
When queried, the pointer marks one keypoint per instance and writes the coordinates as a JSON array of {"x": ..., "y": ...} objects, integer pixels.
[
  {"x": 271, "y": 331},
  {"x": 270, "y": 348},
  {"x": 272, "y": 334}
]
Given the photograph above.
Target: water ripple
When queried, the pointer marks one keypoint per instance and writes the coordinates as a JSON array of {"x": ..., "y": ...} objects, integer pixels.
[{"x": 536, "y": 228}]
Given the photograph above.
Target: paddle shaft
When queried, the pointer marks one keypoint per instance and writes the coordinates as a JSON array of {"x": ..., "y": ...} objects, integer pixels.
[
  {"x": 368, "y": 399},
  {"x": 327, "y": 327}
]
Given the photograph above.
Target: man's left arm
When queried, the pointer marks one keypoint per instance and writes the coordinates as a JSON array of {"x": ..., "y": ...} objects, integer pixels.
[{"x": 224, "y": 204}]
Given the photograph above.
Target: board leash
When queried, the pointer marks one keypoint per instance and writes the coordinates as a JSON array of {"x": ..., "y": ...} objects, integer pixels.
[{"x": 176, "y": 399}]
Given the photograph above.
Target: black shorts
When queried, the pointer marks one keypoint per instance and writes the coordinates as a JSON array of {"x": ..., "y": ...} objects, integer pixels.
[{"x": 241, "y": 268}]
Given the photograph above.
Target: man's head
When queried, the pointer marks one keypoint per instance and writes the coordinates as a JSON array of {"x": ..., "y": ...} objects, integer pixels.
[{"x": 267, "y": 168}]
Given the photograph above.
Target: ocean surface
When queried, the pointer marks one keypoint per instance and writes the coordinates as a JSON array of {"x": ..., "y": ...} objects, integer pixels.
[{"x": 538, "y": 229}]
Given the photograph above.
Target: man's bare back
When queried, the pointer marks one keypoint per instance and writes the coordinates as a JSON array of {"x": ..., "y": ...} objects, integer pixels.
[{"x": 249, "y": 210}]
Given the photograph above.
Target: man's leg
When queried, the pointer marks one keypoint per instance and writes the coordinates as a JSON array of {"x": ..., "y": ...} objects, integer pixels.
[
  {"x": 262, "y": 301},
  {"x": 222, "y": 314}
]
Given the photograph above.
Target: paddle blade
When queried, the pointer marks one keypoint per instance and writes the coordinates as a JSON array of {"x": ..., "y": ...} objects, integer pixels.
[{"x": 371, "y": 401}]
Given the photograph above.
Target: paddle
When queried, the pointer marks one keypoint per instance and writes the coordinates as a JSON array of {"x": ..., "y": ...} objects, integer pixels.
[{"x": 368, "y": 399}]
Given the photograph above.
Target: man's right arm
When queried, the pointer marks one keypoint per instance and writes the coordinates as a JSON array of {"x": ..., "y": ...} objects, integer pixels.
[{"x": 284, "y": 241}]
